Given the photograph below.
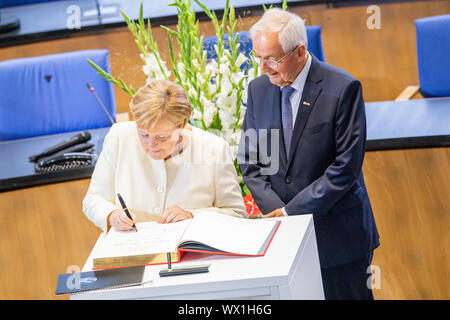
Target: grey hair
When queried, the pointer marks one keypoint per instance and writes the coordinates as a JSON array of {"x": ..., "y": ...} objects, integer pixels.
[{"x": 290, "y": 28}]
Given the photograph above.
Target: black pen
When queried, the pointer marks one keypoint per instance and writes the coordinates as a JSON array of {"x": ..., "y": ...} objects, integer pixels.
[
  {"x": 122, "y": 203},
  {"x": 169, "y": 261}
]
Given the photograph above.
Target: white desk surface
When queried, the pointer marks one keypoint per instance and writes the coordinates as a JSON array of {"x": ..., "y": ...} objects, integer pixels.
[{"x": 228, "y": 276}]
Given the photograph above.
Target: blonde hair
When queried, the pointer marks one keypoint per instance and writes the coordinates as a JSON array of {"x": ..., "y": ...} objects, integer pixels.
[
  {"x": 290, "y": 28},
  {"x": 160, "y": 99}
]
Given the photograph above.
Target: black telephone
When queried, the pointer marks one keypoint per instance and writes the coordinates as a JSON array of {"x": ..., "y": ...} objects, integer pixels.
[
  {"x": 65, "y": 161},
  {"x": 71, "y": 154}
]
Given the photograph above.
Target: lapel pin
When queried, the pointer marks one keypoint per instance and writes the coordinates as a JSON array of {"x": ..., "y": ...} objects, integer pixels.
[{"x": 306, "y": 103}]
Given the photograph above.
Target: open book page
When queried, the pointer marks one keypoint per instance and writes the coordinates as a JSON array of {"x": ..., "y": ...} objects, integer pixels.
[
  {"x": 150, "y": 238},
  {"x": 230, "y": 234}
]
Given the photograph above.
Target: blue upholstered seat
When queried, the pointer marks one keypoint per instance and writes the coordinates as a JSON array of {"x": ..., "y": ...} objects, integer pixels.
[
  {"x": 48, "y": 94},
  {"x": 13, "y": 3},
  {"x": 433, "y": 55},
  {"x": 313, "y": 34}
]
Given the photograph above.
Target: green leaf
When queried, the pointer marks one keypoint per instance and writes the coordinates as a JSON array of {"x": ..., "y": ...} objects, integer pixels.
[
  {"x": 168, "y": 30},
  {"x": 141, "y": 14},
  {"x": 110, "y": 78},
  {"x": 225, "y": 15},
  {"x": 204, "y": 8}
]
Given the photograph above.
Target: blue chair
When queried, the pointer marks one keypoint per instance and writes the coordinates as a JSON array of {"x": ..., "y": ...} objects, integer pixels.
[
  {"x": 433, "y": 55},
  {"x": 313, "y": 34},
  {"x": 14, "y": 3},
  {"x": 433, "y": 58},
  {"x": 48, "y": 94},
  {"x": 243, "y": 39}
]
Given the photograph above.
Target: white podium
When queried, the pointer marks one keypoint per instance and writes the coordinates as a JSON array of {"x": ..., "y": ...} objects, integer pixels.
[{"x": 289, "y": 270}]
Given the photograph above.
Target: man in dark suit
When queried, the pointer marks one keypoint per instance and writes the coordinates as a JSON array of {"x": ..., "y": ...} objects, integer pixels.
[{"x": 315, "y": 114}]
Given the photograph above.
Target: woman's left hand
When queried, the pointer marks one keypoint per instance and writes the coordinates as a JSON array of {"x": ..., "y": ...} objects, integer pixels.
[{"x": 173, "y": 214}]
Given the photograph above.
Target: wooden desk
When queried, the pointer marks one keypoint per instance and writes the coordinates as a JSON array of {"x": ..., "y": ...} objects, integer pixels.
[
  {"x": 16, "y": 171},
  {"x": 408, "y": 124},
  {"x": 42, "y": 232}
]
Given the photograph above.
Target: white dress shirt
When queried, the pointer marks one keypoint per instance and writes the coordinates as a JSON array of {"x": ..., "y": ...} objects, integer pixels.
[
  {"x": 298, "y": 85},
  {"x": 296, "y": 97},
  {"x": 202, "y": 177}
]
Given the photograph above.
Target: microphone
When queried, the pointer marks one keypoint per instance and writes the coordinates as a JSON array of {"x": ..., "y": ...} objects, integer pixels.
[
  {"x": 99, "y": 15},
  {"x": 79, "y": 138},
  {"x": 91, "y": 89}
]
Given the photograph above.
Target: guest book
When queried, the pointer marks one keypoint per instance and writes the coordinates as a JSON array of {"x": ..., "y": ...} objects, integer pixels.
[{"x": 207, "y": 232}]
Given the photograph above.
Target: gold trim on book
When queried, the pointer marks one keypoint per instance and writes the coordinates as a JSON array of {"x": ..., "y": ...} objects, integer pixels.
[{"x": 134, "y": 260}]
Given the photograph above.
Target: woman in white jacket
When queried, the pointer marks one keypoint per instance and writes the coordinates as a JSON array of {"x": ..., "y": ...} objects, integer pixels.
[{"x": 164, "y": 169}]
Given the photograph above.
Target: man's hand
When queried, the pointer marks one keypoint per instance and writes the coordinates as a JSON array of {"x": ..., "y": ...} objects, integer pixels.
[
  {"x": 273, "y": 214},
  {"x": 173, "y": 214}
]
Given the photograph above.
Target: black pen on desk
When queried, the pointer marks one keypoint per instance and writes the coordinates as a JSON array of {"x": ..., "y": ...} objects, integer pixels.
[
  {"x": 122, "y": 203},
  {"x": 169, "y": 261}
]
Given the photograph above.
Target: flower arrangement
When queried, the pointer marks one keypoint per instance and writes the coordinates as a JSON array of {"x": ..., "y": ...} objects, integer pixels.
[{"x": 216, "y": 88}]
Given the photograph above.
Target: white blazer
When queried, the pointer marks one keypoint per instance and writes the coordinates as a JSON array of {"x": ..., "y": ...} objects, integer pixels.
[{"x": 202, "y": 177}]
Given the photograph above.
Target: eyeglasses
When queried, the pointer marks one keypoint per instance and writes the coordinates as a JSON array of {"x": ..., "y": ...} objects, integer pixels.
[
  {"x": 273, "y": 64},
  {"x": 159, "y": 137}
]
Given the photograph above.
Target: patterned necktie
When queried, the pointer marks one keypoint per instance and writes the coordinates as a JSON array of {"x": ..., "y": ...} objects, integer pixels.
[{"x": 286, "y": 116}]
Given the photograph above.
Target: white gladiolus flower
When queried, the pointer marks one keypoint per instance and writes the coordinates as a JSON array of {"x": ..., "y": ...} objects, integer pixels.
[
  {"x": 180, "y": 66},
  {"x": 224, "y": 101},
  {"x": 236, "y": 137},
  {"x": 224, "y": 69},
  {"x": 152, "y": 69},
  {"x": 227, "y": 86},
  {"x": 196, "y": 64},
  {"x": 209, "y": 70},
  {"x": 196, "y": 114},
  {"x": 227, "y": 119},
  {"x": 240, "y": 59},
  {"x": 200, "y": 79},
  {"x": 209, "y": 111},
  {"x": 250, "y": 74},
  {"x": 233, "y": 151},
  {"x": 191, "y": 92},
  {"x": 236, "y": 77},
  {"x": 214, "y": 66},
  {"x": 232, "y": 99}
]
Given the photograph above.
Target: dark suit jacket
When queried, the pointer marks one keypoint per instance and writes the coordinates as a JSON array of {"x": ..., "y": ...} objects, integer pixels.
[{"x": 322, "y": 174}]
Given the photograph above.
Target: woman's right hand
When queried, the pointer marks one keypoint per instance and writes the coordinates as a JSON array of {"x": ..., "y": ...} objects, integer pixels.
[{"x": 119, "y": 220}]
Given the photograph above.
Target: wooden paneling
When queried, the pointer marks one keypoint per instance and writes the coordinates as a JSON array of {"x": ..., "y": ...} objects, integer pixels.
[
  {"x": 410, "y": 195},
  {"x": 384, "y": 59},
  {"x": 42, "y": 232}
]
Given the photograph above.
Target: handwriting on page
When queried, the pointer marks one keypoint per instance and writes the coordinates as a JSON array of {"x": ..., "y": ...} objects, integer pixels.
[{"x": 151, "y": 238}]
